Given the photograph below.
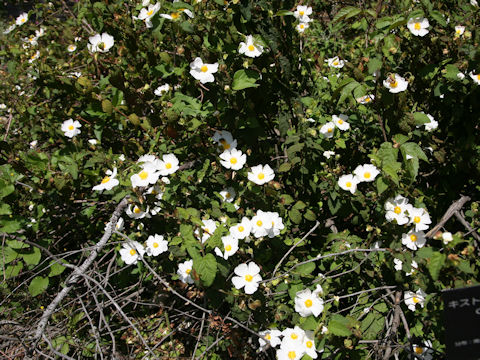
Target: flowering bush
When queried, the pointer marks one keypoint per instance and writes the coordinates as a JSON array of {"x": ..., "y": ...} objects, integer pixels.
[{"x": 237, "y": 179}]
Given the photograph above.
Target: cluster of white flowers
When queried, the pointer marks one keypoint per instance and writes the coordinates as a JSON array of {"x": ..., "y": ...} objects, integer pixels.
[
  {"x": 296, "y": 342},
  {"x": 302, "y": 14},
  {"x": 339, "y": 121},
  {"x": 362, "y": 173},
  {"x": 132, "y": 251},
  {"x": 399, "y": 266},
  {"x": 153, "y": 168},
  {"x": 32, "y": 40}
]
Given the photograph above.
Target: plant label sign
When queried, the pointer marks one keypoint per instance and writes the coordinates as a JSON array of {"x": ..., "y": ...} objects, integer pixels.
[{"x": 462, "y": 320}]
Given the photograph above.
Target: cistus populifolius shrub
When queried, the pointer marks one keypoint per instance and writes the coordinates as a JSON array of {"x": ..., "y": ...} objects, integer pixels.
[{"x": 248, "y": 179}]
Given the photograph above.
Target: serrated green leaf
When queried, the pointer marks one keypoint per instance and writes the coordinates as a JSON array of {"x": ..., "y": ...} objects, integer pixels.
[
  {"x": 295, "y": 216},
  {"x": 339, "y": 326},
  {"x": 435, "y": 264},
  {"x": 284, "y": 167},
  {"x": 243, "y": 79},
  {"x": 206, "y": 268}
]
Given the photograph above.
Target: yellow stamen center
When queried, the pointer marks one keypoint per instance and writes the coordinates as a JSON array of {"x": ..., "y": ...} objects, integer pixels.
[
  {"x": 340, "y": 121},
  {"x": 478, "y": 77},
  {"x": 105, "y": 179},
  {"x": 233, "y": 160},
  {"x": 143, "y": 175},
  {"x": 415, "y": 300},
  {"x": 413, "y": 237},
  {"x": 228, "y": 195},
  {"x": 335, "y": 63},
  {"x": 174, "y": 15},
  {"x": 394, "y": 84},
  {"x": 71, "y": 47},
  {"x": 155, "y": 245},
  {"x": 268, "y": 337},
  {"x": 241, "y": 228},
  {"x": 367, "y": 175},
  {"x": 261, "y": 176},
  {"x": 101, "y": 45},
  {"x": 150, "y": 12},
  {"x": 309, "y": 344},
  {"x": 292, "y": 355},
  {"x": 168, "y": 166},
  {"x": 294, "y": 336},
  {"x": 259, "y": 223},
  {"x": 248, "y": 278},
  {"x": 23, "y": 20},
  {"x": 330, "y": 130},
  {"x": 348, "y": 184},
  {"x": 251, "y": 47},
  {"x": 417, "y": 26},
  {"x": 368, "y": 99},
  {"x": 137, "y": 210},
  {"x": 71, "y": 127},
  {"x": 302, "y": 26},
  {"x": 228, "y": 247},
  {"x": 204, "y": 68},
  {"x": 225, "y": 144},
  {"x": 397, "y": 210},
  {"x": 188, "y": 271},
  {"x": 308, "y": 303},
  {"x": 418, "y": 350},
  {"x": 301, "y": 13},
  {"x": 132, "y": 252},
  {"x": 416, "y": 219}
]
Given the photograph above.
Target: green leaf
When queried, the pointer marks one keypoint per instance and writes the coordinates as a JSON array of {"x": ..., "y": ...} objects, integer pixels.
[
  {"x": 438, "y": 17},
  {"x": 5, "y": 209},
  {"x": 10, "y": 226},
  {"x": 206, "y": 268},
  {"x": 55, "y": 269},
  {"x": 420, "y": 118},
  {"x": 346, "y": 13},
  {"x": 305, "y": 269},
  {"x": 295, "y": 216},
  {"x": 284, "y": 13},
  {"x": 284, "y": 167},
  {"x": 339, "y": 326},
  {"x": 243, "y": 79},
  {"x": 38, "y": 285},
  {"x": 6, "y": 190},
  {"x": 451, "y": 72},
  {"x": 32, "y": 258},
  {"x": 435, "y": 264},
  {"x": 13, "y": 270},
  {"x": 309, "y": 323},
  {"x": 381, "y": 185},
  {"x": 414, "y": 150},
  {"x": 424, "y": 253}
]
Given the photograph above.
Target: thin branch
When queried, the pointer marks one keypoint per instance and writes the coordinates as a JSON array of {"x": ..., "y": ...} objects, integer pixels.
[
  {"x": 395, "y": 323},
  {"x": 294, "y": 246},
  {"x": 456, "y": 206},
  {"x": 77, "y": 273}
]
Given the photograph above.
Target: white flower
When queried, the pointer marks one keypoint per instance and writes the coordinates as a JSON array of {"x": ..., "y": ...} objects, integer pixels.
[
  {"x": 327, "y": 130},
  {"x": 395, "y": 83},
  {"x": 34, "y": 57},
  {"x": 366, "y": 172},
  {"x": 328, "y": 154},
  {"x": 348, "y": 182},
  {"x": 293, "y": 336},
  {"x": 420, "y": 218},
  {"x": 156, "y": 245},
  {"x": 261, "y": 174},
  {"x": 230, "y": 244},
  {"x": 301, "y": 27},
  {"x": 148, "y": 175},
  {"x": 233, "y": 159},
  {"x": 9, "y": 29},
  {"x": 335, "y": 62},
  {"x": 159, "y": 91},
  {"x": 184, "y": 271},
  {"x": 273, "y": 337},
  {"x": 302, "y": 13},
  {"x": 261, "y": 223},
  {"x": 92, "y": 141},
  {"x": 412, "y": 299},
  {"x": 399, "y": 264},
  {"x": 447, "y": 237},
  {"x": 176, "y": 15},
  {"x": 475, "y": 77},
  {"x": 228, "y": 194},
  {"x": 290, "y": 351},
  {"x": 366, "y": 99},
  {"x": 414, "y": 240},
  {"x": 418, "y": 26},
  {"x": 33, "y": 144},
  {"x": 148, "y": 13},
  {"x": 250, "y": 48},
  {"x": 459, "y": 30},
  {"x": 134, "y": 212},
  {"x": 71, "y": 128},
  {"x": 432, "y": 125},
  {"x": 341, "y": 121},
  {"x": 31, "y": 40},
  {"x": 208, "y": 228},
  {"x": 131, "y": 252},
  {"x": 308, "y": 303},
  {"x": 277, "y": 224},
  {"x": 121, "y": 157},
  {"x": 241, "y": 230},
  {"x": 309, "y": 344},
  {"x": 71, "y": 48},
  {"x": 474, "y": 2},
  {"x": 101, "y": 43},
  {"x": 248, "y": 277},
  {"x": 424, "y": 352},
  {"x": 203, "y": 72},
  {"x": 119, "y": 225},
  {"x": 461, "y": 75},
  {"x": 225, "y": 140},
  {"x": 168, "y": 165},
  {"x": 397, "y": 209},
  {"x": 108, "y": 182},
  {"x": 21, "y": 19}
]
